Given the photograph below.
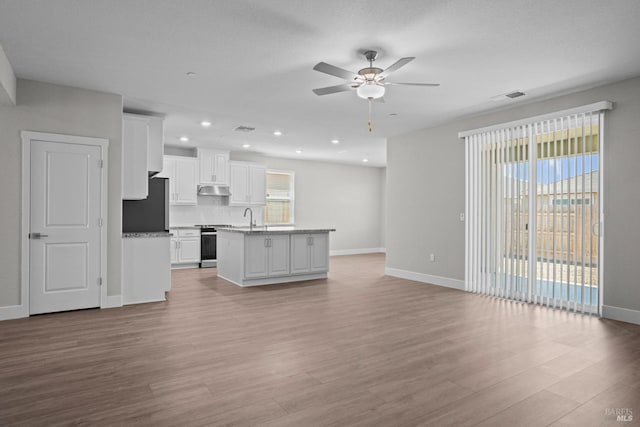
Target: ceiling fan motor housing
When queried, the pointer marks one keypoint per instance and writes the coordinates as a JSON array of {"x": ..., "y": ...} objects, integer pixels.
[{"x": 370, "y": 73}]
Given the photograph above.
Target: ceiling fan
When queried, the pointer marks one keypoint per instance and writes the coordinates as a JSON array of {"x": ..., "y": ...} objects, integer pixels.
[{"x": 369, "y": 82}]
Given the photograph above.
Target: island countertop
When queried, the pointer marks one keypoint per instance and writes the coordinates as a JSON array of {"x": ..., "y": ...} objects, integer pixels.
[{"x": 261, "y": 229}]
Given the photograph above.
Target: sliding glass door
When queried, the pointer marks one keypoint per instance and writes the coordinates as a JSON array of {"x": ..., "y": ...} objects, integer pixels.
[{"x": 534, "y": 212}]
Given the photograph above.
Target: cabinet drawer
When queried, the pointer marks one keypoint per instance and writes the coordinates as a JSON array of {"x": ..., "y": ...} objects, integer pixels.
[{"x": 188, "y": 232}]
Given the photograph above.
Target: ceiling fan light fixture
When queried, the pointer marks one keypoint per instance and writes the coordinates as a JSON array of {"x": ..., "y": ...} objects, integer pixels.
[{"x": 370, "y": 91}]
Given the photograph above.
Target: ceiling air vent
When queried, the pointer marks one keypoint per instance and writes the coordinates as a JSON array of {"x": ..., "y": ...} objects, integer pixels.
[
  {"x": 516, "y": 94},
  {"x": 242, "y": 128},
  {"x": 510, "y": 95}
]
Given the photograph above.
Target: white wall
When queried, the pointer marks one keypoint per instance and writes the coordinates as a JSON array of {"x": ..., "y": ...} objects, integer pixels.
[
  {"x": 425, "y": 191},
  {"x": 345, "y": 197},
  {"x": 46, "y": 107}
]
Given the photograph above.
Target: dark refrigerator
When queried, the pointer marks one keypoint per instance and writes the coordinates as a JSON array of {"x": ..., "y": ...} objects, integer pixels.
[{"x": 150, "y": 214}]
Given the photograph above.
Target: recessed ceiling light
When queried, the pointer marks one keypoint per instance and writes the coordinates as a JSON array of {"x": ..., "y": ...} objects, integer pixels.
[
  {"x": 298, "y": 151},
  {"x": 205, "y": 123},
  {"x": 393, "y": 114},
  {"x": 277, "y": 133},
  {"x": 190, "y": 73},
  {"x": 335, "y": 141},
  {"x": 184, "y": 139},
  {"x": 246, "y": 145},
  {"x": 365, "y": 160}
]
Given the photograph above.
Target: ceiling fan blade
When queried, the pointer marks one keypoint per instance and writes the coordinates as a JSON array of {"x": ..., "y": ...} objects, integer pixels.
[
  {"x": 412, "y": 84},
  {"x": 333, "y": 89},
  {"x": 323, "y": 67},
  {"x": 396, "y": 65}
]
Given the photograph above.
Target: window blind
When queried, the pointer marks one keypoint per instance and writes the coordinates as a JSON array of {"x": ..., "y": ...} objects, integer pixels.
[{"x": 533, "y": 209}]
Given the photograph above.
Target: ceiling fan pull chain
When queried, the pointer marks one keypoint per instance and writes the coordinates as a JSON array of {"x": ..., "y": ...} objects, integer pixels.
[{"x": 370, "y": 124}]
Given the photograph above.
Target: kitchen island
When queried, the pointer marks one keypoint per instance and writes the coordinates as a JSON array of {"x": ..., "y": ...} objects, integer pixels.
[{"x": 252, "y": 256}]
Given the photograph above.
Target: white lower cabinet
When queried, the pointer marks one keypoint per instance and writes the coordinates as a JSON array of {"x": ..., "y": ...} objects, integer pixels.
[
  {"x": 146, "y": 274},
  {"x": 266, "y": 256},
  {"x": 309, "y": 253},
  {"x": 185, "y": 246}
]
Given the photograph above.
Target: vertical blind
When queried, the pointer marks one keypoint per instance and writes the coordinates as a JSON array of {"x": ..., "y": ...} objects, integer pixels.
[{"x": 533, "y": 209}]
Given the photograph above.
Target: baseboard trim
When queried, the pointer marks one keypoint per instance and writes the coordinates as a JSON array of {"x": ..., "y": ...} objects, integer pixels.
[
  {"x": 13, "y": 312},
  {"x": 621, "y": 314},
  {"x": 340, "y": 252},
  {"x": 112, "y": 301},
  {"x": 145, "y": 301},
  {"x": 425, "y": 278}
]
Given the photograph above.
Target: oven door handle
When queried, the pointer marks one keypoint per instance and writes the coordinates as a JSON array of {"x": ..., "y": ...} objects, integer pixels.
[{"x": 208, "y": 234}]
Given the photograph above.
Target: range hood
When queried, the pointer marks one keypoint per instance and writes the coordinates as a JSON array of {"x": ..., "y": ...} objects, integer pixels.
[{"x": 213, "y": 190}]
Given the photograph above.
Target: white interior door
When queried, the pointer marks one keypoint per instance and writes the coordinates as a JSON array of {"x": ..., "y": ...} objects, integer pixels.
[{"x": 64, "y": 244}]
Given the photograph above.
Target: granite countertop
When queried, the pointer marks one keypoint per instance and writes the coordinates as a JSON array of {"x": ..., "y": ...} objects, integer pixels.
[
  {"x": 261, "y": 229},
  {"x": 144, "y": 234},
  {"x": 184, "y": 226}
]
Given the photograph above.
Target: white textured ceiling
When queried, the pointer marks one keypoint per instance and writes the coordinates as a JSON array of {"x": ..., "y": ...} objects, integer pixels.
[{"x": 253, "y": 61}]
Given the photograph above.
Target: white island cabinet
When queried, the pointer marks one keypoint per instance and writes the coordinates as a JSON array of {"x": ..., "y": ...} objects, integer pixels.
[{"x": 251, "y": 257}]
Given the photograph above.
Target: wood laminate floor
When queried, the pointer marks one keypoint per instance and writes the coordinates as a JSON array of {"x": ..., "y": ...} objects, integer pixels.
[{"x": 357, "y": 349}]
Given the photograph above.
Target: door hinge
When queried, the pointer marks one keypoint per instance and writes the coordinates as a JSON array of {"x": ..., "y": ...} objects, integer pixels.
[
  {"x": 100, "y": 222},
  {"x": 100, "y": 164},
  {"x": 99, "y": 281}
]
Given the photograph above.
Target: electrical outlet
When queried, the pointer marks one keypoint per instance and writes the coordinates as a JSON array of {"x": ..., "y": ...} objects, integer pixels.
[
  {"x": 462, "y": 216},
  {"x": 432, "y": 257}
]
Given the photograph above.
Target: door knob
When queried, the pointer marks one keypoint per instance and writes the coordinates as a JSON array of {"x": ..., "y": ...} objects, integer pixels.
[{"x": 37, "y": 235}]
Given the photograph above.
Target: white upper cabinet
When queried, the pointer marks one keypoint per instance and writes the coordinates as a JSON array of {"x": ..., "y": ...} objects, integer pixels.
[
  {"x": 247, "y": 183},
  {"x": 257, "y": 184},
  {"x": 183, "y": 179},
  {"x": 135, "y": 139},
  {"x": 214, "y": 166},
  {"x": 156, "y": 145},
  {"x": 142, "y": 146}
]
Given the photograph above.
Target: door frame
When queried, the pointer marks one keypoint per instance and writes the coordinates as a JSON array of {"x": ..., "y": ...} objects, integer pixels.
[{"x": 27, "y": 137}]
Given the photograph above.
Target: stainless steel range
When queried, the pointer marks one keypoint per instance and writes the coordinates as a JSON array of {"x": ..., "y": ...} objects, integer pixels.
[{"x": 208, "y": 243}]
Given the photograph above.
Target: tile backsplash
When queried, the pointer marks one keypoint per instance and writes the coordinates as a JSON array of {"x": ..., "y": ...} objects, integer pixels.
[{"x": 212, "y": 210}]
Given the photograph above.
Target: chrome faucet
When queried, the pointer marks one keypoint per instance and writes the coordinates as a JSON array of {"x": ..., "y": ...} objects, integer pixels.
[{"x": 251, "y": 223}]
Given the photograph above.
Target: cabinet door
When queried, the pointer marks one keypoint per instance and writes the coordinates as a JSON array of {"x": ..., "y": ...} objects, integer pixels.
[
  {"x": 278, "y": 255},
  {"x": 168, "y": 171},
  {"x": 206, "y": 164},
  {"x": 238, "y": 184},
  {"x": 189, "y": 250},
  {"x": 156, "y": 144},
  {"x": 174, "y": 250},
  {"x": 213, "y": 166},
  {"x": 299, "y": 253},
  {"x": 185, "y": 181},
  {"x": 319, "y": 253},
  {"x": 220, "y": 167},
  {"x": 255, "y": 257},
  {"x": 135, "y": 136},
  {"x": 257, "y": 184}
]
